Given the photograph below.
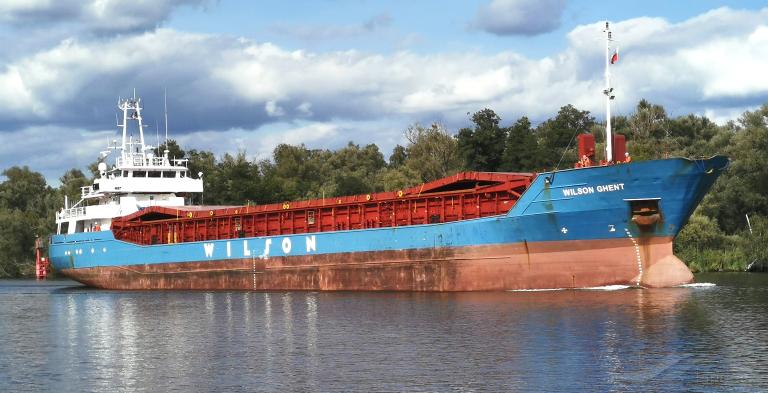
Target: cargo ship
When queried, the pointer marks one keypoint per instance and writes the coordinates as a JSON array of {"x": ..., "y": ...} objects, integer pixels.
[{"x": 599, "y": 223}]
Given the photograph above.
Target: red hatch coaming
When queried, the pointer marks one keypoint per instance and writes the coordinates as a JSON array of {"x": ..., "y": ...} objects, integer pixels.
[{"x": 465, "y": 195}]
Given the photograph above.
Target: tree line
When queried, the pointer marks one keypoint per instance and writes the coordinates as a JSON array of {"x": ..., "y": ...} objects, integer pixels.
[{"x": 717, "y": 237}]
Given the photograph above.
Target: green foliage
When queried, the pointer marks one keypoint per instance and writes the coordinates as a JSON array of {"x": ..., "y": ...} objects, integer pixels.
[
  {"x": 398, "y": 157},
  {"x": 521, "y": 151},
  {"x": 22, "y": 190},
  {"x": 481, "y": 146},
  {"x": 174, "y": 150},
  {"x": 704, "y": 246},
  {"x": 16, "y": 243},
  {"x": 397, "y": 178},
  {"x": 648, "y": 133},
  {"x": 556, "y": 135},
  {"x": 743, "y": 189},
  {"x": 27, "y": 205},
  {"x": 71, "y": 183},
  {"x": 756, "y": 240},
  {"x": 202, "y": 163},
  {"x": 351, "y": 168},
  {"x": 300, "y": 173},
  {"x": 432, "y": 152},
  {"x": 236, "y": 181}
]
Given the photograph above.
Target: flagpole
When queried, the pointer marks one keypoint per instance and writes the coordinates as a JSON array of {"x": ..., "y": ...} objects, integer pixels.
[{"x": 608, "y": 96}]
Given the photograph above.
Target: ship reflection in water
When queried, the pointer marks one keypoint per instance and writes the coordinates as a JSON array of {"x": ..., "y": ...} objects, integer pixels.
[{"x": 74, "y": 339}]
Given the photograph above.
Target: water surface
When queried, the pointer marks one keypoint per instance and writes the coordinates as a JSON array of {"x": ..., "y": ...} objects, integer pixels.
[{"x": 59, "y": 336}]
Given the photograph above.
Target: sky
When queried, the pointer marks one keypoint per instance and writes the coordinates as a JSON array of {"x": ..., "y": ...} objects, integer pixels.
[{"x": 249, "y": 75}]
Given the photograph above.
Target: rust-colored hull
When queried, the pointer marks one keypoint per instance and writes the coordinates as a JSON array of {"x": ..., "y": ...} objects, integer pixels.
[{"x": 647, "y": 262}]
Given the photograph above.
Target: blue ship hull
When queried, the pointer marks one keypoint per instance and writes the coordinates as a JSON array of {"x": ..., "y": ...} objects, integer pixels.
[{"x": 571, "y": 228}]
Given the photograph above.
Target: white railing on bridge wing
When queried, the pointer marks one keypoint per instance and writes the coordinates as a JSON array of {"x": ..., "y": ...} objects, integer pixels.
[
  {"x": 85, "y": 191},
  {"x": 144, "y": 162},
  {"x": 72, "y": 213}
]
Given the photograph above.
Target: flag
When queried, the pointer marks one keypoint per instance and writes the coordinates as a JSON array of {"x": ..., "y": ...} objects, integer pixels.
[{"x": 615, "y": 56}]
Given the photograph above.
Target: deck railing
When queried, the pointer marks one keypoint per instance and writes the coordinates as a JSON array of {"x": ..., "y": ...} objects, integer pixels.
[
  {"x": 85, "y": 191},
  {"x": 72, "y": 213},
  {"x": 139, "y": 161}
]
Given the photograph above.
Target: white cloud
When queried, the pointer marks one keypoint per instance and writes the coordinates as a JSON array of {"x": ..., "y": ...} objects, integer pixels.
[
  {"x": 302, "y": 134},
  {"x": 733, "y": 67},
  {"x": 239, "y": 75},
  {"x": 52, "y": 150},
  {"x": 259, "y": 143},
  {"x": 95, "y": 15},
  {"x": 331, "y": 32},
  {"x": 273, "y": 110},
  {"x": 519, "y": 17},
  {"x": 305, "y": 108},
  {"x": 723, "y": 116},
  {"x": 233, "y": 92}
]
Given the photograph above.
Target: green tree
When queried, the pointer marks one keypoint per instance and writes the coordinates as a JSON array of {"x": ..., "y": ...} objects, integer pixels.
[
  {"x": 432, "y": 152},
  {"x": 756, "y": 239},
  {"x": 174, "y": 150},
  {"x": 71, "y": 183},
  {"x": 555, "y": 135},
  {"x": 398, "y": 178},
  {"x": 743, "y": 189},
  {"x": 23, "y": 190},
  {"x": 691, "y": 135},
  {"x": 703, "y": 246},
  {"x": 27, "y": 207},
  {"x": 203, "y": 163},
  {"x": 298, "y": 172},
  {"x": 521, "y": 149},
  {"x": 354, "y": 169},
  {"x": 482, "y": 146},
  {"x": 16, "y": 244},
  {"x": 237, "y": 180},
  {"x": 648, "y": 131},
  {"x": 398, "y": 157}
]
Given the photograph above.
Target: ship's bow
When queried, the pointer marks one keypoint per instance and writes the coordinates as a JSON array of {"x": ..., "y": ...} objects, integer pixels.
[
  {"x": 614, "y": 224},
  {"x": 686, "y": 186}
]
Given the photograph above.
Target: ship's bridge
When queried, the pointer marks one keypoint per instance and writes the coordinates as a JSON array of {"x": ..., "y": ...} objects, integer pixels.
[
  {"x": 138, "y": 179},
  {"x": 146, "y": 175}
]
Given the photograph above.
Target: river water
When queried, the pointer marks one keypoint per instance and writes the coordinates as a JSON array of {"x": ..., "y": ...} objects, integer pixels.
[{"x": 59, "y": 336}]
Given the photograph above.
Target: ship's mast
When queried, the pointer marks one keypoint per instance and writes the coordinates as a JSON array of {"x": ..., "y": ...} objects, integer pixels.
[
  {"x": 608, "y": 96},
  {"x": 165, "y": 109},
  {"x": 131, "y": 108},
  {"x": 138, "y": 119}
]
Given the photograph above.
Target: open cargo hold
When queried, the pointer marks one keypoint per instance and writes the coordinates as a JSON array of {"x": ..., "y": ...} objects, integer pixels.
[{"x": 466, "y": 195}]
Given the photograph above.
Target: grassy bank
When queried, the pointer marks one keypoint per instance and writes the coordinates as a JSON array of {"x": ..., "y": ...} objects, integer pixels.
[{"x": 704, "y": 247}]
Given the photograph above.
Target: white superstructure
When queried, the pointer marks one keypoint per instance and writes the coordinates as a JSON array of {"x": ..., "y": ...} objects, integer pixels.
[{"x": 137, "y": 180}]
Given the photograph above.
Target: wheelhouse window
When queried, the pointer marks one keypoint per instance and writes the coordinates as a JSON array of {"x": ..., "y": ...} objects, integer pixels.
[
  {"x": 154, "y": 173},
  {"x": 169, "y": 174},
  {"x": 139, "y": 173}
]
